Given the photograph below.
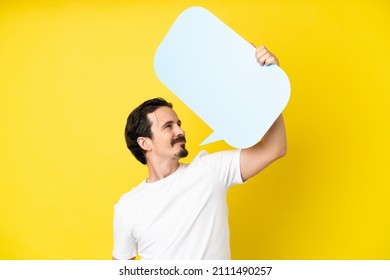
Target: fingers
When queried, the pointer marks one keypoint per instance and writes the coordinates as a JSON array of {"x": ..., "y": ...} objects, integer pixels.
[{"x": 265, "y": 57}]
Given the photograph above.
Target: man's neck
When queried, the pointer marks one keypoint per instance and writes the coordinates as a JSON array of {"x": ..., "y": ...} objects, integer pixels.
[{"x": 160, "y": 170}]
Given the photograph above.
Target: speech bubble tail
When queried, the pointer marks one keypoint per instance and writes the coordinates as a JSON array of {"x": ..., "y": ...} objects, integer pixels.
[{"x": 212, "y": 138}]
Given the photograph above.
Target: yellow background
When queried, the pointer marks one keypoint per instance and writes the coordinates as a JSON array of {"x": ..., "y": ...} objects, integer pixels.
[{"x": 71, "y": 71}]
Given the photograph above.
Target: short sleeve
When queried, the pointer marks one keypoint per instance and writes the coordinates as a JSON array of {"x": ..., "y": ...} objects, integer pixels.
[
  {"x": 125, "y": 247},
  {"x": 226, "y": 166}
]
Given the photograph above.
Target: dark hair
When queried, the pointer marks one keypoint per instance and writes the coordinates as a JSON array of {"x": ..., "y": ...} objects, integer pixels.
[{"x": 138, "y": 125}]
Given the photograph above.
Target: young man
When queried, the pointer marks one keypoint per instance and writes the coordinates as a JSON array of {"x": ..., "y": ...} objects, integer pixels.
[{"x": 180, "y": 210}]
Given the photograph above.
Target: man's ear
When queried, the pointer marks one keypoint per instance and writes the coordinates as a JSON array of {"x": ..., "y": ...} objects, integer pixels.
[{"x": 145, "y": 143}]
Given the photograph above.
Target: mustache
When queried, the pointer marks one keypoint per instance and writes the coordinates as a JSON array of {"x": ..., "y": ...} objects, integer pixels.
[{"x": 178, "y": 139}]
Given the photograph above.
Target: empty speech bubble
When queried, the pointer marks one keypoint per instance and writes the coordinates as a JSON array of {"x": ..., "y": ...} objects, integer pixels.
[{"x": 215, "y": 73}]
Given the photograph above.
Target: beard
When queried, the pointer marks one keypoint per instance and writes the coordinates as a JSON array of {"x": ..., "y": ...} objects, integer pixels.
[{"x": 183, "y": 151}]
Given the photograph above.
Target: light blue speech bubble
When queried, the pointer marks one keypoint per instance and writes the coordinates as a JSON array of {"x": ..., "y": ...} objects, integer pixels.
[{"x": 214, "y": 72}]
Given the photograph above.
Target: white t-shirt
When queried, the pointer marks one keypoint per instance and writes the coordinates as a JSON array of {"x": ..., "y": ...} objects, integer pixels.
[{"x": 183, "y": 216}]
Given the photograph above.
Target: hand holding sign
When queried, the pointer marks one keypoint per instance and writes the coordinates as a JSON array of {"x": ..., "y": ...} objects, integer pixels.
[{"x": 214, "y": 71}]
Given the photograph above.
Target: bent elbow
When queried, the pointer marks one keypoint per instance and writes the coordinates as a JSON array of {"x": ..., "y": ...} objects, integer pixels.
[
  {"x": 284, "y": 152},
  {"x": 281, "y": 152}
]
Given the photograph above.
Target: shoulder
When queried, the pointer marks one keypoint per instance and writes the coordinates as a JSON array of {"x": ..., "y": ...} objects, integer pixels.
[
  {"x": 218, "y": 161},
  {"x": 224, "y": 165},
  {"x": 228, "y": 155}
]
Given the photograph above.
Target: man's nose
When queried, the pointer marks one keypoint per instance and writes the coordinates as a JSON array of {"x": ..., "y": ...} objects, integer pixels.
[{"x": 179, "y": 131}]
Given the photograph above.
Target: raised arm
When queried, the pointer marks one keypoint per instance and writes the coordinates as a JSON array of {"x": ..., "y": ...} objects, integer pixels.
[{"x": 274, "y": 143}]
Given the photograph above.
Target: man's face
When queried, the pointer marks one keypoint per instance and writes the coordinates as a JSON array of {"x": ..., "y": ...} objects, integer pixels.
[{"x": 168, "y": 140}]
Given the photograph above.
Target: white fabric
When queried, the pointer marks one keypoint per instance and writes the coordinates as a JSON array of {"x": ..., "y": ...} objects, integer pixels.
[{"x": 183, "y": 216}]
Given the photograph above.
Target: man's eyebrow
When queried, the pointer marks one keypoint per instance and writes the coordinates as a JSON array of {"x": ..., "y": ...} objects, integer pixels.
[
  {"x": 170, "y": 123},
  {"x": 166, "y": 124}
]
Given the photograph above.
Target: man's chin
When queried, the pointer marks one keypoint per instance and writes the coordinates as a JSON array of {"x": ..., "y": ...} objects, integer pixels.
[{"x": 182, "y": 153}]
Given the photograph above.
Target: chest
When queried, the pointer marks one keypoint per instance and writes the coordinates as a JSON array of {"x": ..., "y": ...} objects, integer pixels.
[{"x": 188, "y": 201}]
